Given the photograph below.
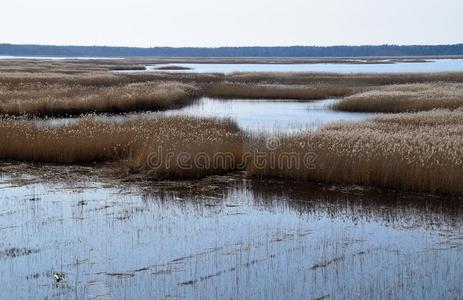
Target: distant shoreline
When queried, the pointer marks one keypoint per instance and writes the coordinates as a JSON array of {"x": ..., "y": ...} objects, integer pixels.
[
  {"x": 146, "y": 60},
  {"x": 230, "y": 52}
]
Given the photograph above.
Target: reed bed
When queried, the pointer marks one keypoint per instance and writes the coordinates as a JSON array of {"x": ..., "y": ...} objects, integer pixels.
[
  {"x": 39, "y": 99},
  {"x": 357, "y": 80},
  {"x": 158, "y": 147},
  {"x": 68, "y": 66},
  {"x": 47, "y": 93},
  {"x": 275, "y": 91},
  {"x": 420, "y": 152},
  {"x": 299, "y": 86},
  {"x": 405, "y": 98},
  {"x": 93, "y": 79}
]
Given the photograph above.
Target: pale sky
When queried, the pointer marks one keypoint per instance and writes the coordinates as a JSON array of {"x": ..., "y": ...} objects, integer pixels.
[{"x": 231, "y": 23}]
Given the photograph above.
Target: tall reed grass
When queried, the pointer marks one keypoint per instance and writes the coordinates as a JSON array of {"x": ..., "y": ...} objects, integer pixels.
[
  {"x": 275, "y": 91},
  {"x": 62, "y": 99},
  {"x": 420, "y": 152},
  {"x": 405, "y": 98},
  {"x": 69, "y": 66},
  {"x": 55, "y": 93},
  {"x": 135, "y": 143}
]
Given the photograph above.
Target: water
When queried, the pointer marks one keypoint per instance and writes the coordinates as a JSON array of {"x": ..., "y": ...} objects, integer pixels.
[
  {"x": 439, "y": 65},
  {"x": 221, "y": 238},
  {"x": 252, "y": 116},
  {"x": 271, "y": 116}
]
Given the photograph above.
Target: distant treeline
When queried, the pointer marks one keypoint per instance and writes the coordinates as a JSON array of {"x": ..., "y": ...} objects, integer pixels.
[{"x": 295, "y": 51}]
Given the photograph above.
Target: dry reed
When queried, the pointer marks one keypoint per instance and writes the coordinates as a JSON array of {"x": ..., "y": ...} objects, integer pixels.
[
  {"x": 63, "y": 99},
  {"x": 275, "y": 91},
  {"x": 420, "y": 152},
  {"x": 414, "y": 151},
  {"x": 41, "y": 87},
  {"x": 133, "y": 142},
  {"x": 405, "y": 98}
]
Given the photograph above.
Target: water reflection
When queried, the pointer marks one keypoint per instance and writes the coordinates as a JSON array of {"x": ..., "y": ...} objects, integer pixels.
[
  {"x": 271, "y": 116},
  {"x": 222, "y": 237},
  {"x": 252, "y": 116},
  {"x": 439, "y": 65}
]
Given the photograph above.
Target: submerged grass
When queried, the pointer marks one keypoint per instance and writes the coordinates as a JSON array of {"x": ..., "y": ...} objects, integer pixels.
[
  {"x": 420, "y": 152},
  {"x": 405, "y": 98}
]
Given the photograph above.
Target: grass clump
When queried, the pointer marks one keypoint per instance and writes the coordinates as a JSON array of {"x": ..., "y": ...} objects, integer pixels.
[
  {"x": 405, "y": 98},
  {"x": 420, "y": 152},
  {"x": 275, "y": 91},
  {"x": 40, "y": 99},
  {"x": 154, "y": 146}
]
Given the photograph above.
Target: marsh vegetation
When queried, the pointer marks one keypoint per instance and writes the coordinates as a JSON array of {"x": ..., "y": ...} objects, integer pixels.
[
  {"x": 129, "y": 142},
  {"x": 60, "y": 99},
  {"x": 405, "y": 98},
  {"x": 417, "y": 152},
  {"x": 138, "y": 195}
]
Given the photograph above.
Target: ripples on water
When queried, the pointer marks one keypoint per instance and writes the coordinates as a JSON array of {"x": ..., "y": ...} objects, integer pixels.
[{"x": 223, "y": 237}]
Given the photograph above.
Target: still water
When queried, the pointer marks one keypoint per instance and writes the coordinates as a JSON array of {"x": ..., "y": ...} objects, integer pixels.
[
  {"x": 252, "y": 116},
  {"x": 440, "y": 65},
  {"x": 220, "y": 238},
  {"x": 270, "y": 116}
]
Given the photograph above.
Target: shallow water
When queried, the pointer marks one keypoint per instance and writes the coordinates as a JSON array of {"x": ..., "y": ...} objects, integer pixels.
[
  {"x": 252, "y": 116},
  {"x": 271, "y": 116},
  {"x": 440, "y": 65},
  {"x": 224, "y": 237}
]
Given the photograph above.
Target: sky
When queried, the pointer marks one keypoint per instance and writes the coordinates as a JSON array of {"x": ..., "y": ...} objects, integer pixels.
[{"x": 212, "y": 23}]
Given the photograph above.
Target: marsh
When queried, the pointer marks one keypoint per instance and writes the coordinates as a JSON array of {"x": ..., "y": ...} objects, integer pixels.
[{"x": 85, "y": 212}]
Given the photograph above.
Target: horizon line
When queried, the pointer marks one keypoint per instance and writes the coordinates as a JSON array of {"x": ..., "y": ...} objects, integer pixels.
[{"x": 219, "y": 47}]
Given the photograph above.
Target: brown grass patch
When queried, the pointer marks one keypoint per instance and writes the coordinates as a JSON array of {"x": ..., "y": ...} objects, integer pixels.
[
  {"x": 48, "y": 92},
  {"x": 154, "y": 146},
  {"x": 405, "y": 98},
  {"x": 419, "y": 152},
  {"x": 93, "y": 79},
  {"x": 275, "y": 91},
  {"x": 415, "y": 151},
  {"x": 68, "y": 66},
  {"x": 356, "y": 80},
  {"x": 63, "y": 99}
]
